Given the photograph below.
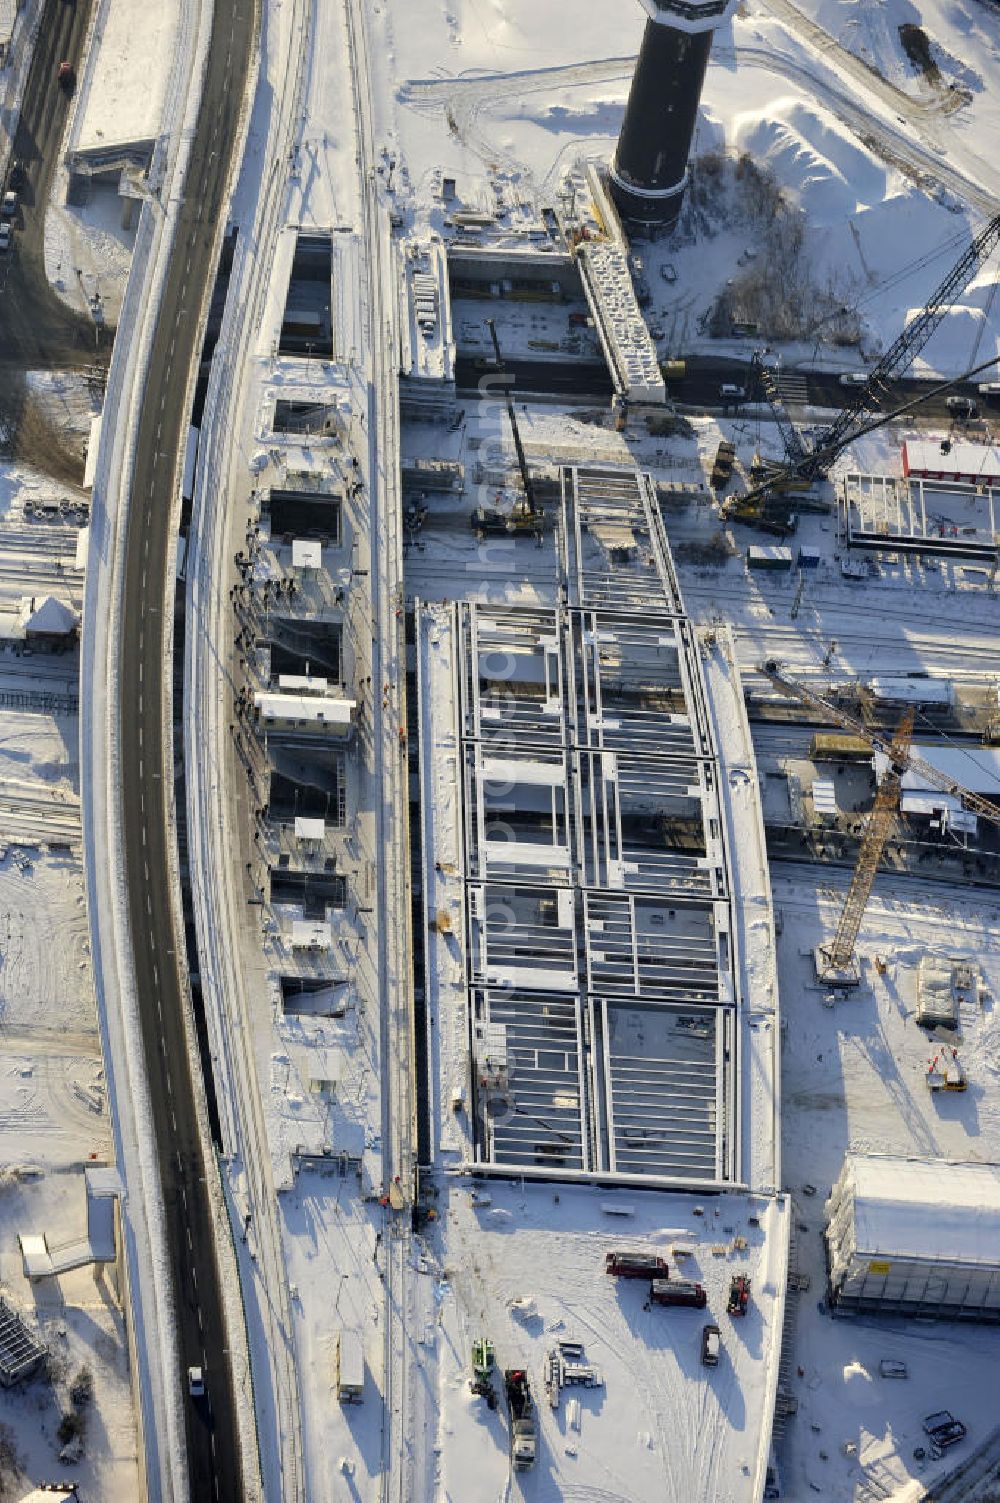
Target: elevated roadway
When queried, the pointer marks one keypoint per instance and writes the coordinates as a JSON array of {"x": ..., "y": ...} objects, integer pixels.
[{"x": 146, "y": 753}]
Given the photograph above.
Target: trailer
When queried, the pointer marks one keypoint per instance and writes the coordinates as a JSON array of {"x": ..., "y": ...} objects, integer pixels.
[
  {"x": 523, "y": 1432},
  {"x": 636, "y": 1265},
  {"x": 350, "y": 1367},
  {"x": 678, "y": 1292}
]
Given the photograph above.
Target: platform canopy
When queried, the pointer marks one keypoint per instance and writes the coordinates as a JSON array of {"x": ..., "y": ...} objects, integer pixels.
[{"x": 927, "y": 1209}]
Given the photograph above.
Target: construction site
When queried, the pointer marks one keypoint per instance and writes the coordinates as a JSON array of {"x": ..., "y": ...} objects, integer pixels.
[{"x": 562, "y": 490}]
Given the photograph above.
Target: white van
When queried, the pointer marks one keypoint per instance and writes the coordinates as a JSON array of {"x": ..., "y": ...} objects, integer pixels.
[{"x": 350, "y": 1368}]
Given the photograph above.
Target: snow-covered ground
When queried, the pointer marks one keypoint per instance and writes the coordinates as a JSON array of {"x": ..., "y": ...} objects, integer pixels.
[
  {"x": 524, "y": 1266},
  {"x": 53, "y": 1111},
  {"x": 853, "y": 1080},
  {"x": 505, "y": 97}
]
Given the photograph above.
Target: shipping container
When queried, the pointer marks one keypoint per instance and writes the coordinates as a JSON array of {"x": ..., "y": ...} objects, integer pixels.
[
  {"x": 775, "y": 558},
  {"x": 837, "y": 746}
]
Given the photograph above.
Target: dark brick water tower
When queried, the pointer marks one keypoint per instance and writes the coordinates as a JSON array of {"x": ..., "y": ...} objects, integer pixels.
[{"x": 649, "y": 170}]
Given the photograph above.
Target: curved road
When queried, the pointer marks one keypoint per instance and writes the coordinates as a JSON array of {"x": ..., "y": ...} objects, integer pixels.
[{"x": 146, "y": 745}]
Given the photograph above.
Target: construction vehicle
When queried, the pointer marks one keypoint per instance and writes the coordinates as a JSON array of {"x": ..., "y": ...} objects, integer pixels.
[
  {"x": 523, "y": 1430},
  {"x": 522, "y": 516},
  {"x": 483, "y": 1367},
  {"x": 678, "y": 1292},
  {"x": 900, "y": 758},
  {"x": 863, "y": 414},
  {"x": 739, "y": 1295},
  {"x": 722, "y": 469},
  {"x": 636, "y": 1265},
  {"x": 946, "y": 1072}
]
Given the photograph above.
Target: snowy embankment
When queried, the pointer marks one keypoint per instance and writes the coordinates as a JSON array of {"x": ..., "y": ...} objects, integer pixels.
[{"x": 155, "y": 1357}]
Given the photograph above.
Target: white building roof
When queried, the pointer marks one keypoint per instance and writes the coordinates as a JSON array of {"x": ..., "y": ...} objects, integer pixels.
[
  {"x": 923, "y": 456},
  {"x": 50, "y": 617},
  {"x": 975, "y": 767},
  {"x": 824, "y": 796},
  {"x": 313, "y": 709},
  {"x": 309, "y": 829},
  {"x": 927, "y": 1208},
  {"x": 306, "y": 554},
  {"x": 521, "y": 770},
  {"x": 304, "y": 683},
  {"x": 310, "y": 935},
  {"x": 919, "y": 801},
  {"x": 912, "y": 691}
]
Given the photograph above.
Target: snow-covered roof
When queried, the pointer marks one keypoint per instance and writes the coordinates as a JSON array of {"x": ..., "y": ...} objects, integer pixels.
[
  {"x": 974, "y": 767},
  {"x": 308, "y": 934},
  {"x": 912, "y": 691},
  {"x": 924, "y": 457},
  {"x": 522, "y": 770},
  {"x": 306, "y": 554},
  {"x": 921, "y": 801},
  {"x": 927, "y": 1208},
  {"x": 312, "y": 709},
  {"x": 53, "y": 617},
  {"x": 302, "y": 683}
]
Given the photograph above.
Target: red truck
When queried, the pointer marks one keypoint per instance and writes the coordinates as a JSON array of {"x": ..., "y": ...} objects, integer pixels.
[
  {"x": 636, "y": 1265},
  {"x": 739, "y": 1295},
  {"x": 678, "y": 1292}
]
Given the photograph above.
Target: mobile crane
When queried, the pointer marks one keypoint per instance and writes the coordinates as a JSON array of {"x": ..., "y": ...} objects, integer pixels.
[{"x": 524, "y": 517}]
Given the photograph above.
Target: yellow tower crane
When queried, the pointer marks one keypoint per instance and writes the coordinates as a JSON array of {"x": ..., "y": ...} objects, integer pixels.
[{"x": 901, "y": 759}]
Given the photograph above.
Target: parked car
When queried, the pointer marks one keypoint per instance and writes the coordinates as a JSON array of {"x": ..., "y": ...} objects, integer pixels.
[
  {"x": 853, "y": 378},
  {"x": 8, "y": 205},
  {"x": 711, "y": 1345},
  {"x": 961, "y": 407},
  {"x": 949, "y": 1435},
  {"x": 636, "y": 1265},
  {"x": 65, "y": 76},
  {"x": 17, "y": 177},
  {"x": 5, "y": 238},
  {"x": 730, "y": 392},
  {"x": 943, "y": 1428}
]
